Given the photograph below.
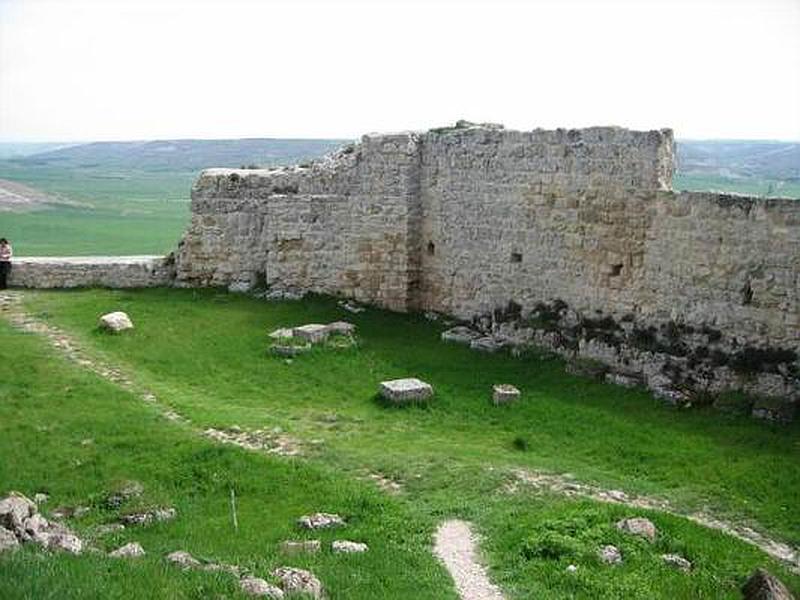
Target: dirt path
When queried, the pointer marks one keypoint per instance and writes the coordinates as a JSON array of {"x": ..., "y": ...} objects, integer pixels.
[
  {"x": 456, "y": 546},
  {"x": 276, "y": 443},
  {"x": 12, "y": 310}
]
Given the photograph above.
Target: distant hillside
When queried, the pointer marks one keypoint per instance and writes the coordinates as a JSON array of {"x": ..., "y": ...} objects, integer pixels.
[
  {"x": 180, "y": 155},
  {"x": 740, "y": 159}
]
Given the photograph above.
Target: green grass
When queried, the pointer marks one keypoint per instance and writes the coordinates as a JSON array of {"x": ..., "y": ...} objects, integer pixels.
[
  {"x": 67, "y": 433},
  {"x": 119, "y": 213},
  {"x": 752, "y": 186},
  {"x": 205, "y": 354}
]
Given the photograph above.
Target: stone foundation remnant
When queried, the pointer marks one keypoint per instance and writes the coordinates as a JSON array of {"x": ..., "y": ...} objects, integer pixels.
[
  {"x": 406, "y": 391},
  {"x": 568, "y": 239}
]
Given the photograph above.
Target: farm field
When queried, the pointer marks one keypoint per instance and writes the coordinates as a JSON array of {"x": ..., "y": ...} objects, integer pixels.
[{"x": 203, "y": 354}]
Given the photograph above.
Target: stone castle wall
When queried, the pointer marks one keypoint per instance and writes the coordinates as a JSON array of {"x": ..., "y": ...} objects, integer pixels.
[
  {"x": 477, "y": 220},
  {"x": 92, "y": 271}
]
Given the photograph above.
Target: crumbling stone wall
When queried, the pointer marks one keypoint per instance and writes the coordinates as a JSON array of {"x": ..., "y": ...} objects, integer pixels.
[
  {"x": 92, "y": 271},
  {"x": 477, "y": 220}
]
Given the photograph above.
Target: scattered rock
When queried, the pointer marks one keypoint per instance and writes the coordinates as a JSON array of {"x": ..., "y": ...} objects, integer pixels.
[
  {"x": 504, "y": 393},
  {"x": 149, "y": 516},
  {"x": 571, "y": 568},
  {"x": 8, "y": 541},
  {"x": 183, "y": 559},
  {"x": 301, "y": 546},
  {"x": 341, "y": 328},
  {"x": 35, "y": 528},
  {"x": 131, "y": 550},
  {"x": 460, "y": 335},
  {"x": 351, "y": 307},
  {"x": 610, "y": 555},
  {"x": 677, "y": 561},
  {"x": 406, "y": 391},
  {"x": 638, "y": 526},
  {"x": 124, "y": 492},
  {"x": 115, "y": 322},
  {"x": 763, "y": 585},
  {"x": 626, "y": 381},
  {"x": 774, "y": 410},
  {"x": 320, "y": 521},
  {"x": 14, "y": 509},
  {"x": 299, "y": 581},
  {"x": 255, "y": 586},
  {"x": 40, "y": 498},
  {"x": 348, "y": 547},
  {"x": 486, "y": 344},
  {"x": 281, "y": 333},
  {"x": 313, "y": 332},
  {"x": 68, "y": 542}
]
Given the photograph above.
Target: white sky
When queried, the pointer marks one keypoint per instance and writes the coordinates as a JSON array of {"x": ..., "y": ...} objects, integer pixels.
[{"x": 91, "y": 70}]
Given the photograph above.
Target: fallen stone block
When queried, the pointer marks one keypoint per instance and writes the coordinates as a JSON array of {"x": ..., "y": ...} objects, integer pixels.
[
  {"x": 341, "y": 328},
  {"x": 8, "y": 541},
  {"x": 147, "y": 517},
  {"x": 405, "y": 391},
  {"x": 504, "y": 393},
  {"x": 282, "y": 333},
  {"x": 116, "y": 322},
  {"x": 320, "y": 521},
  {"x": 313, "y": 332},
  {"x": 348, "y": 547},
  {"x": 485, "y": 344},
  {"x": 460, "y": 335},
  {"x": 301, "y": 546},
  {"x": 610, "y": 555},
  {"x": 14, "y": 509},
  {"x": 183, "y": 559},
  {"x": 763, "y": 585}
]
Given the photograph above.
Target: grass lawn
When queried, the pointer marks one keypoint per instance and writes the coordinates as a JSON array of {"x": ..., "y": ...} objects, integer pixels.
[{"x": 204, "y": 353}]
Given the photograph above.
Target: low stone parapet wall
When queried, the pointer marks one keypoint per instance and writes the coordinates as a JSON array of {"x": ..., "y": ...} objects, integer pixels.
[{"x": 92, "y": 271}]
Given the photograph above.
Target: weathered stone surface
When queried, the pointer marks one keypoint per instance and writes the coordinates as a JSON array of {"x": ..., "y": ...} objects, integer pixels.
[
  {"x": 281, "y": 333},
  {"x": 460, "y": 334},
  {"x": 504, "y": 393},
  {"x": 341, "y": 328},
  {"x": 255, "y": 586},
  {"x": 116, "y": 322},
  {"x": 763, "y": 585},
  {"x": 301, "y": 546},
  {"x": 313, "y": 332},
  {"x": 14, "y": 509},
  {"x": 147, "y": 517},
  {"x": 677, "y": 561},
  {"x": 66, "y": 542},
  {"x": 610, "y": 555},
  {"x": 299, "y": 581},
  {"x": 486, "y": 344},
  {"x": 40, "y": 498},
  {"x": 405, "y": 391},
  {"x": 8, "y": 541},
  {"x": 288, "y": 350},
  {"x": 131, "y": 550},
  {"x": 638, "y": 526},
  {"x": 320, "y": 521},
  {"x": 92, "y": 271},
  {"x": 348, "y": 547},
  {"x": 183, "y": 559}
]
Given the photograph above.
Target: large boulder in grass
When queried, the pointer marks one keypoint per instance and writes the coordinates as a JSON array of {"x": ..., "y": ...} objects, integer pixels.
[
  {"x": 115, "y": 322},
  {"x": 299, "y": 581},
  {"x": 763, "y": 585},
  {"x": 8, "y": 541},
  {"x": 638, "y": 526}
]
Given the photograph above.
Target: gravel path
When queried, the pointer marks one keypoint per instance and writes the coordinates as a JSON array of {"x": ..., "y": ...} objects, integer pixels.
[{"x": 456, "y": 547}]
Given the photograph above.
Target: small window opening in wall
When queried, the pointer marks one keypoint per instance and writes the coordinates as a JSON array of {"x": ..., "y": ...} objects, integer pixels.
[
  {"x": 616, "y": 270},
  {"x": 431, "y": 248},
  {"x": 516, "y": 257}
]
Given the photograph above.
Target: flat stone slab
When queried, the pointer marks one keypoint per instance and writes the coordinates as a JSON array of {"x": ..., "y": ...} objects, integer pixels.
[
  {"x": 504, "y": 393},
  {"x": 313, "y": 332},
  {"x": 115, "y": 321},
  {"x": 403, "y": 391},
  {"x": 341, "y": 327}
]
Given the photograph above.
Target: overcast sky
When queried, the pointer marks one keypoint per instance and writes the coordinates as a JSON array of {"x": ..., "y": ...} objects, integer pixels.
[{"x": 73, "y": 70}]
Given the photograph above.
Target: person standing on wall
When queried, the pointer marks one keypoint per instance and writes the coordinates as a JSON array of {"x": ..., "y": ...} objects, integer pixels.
[{"x": 5, "y": 262}]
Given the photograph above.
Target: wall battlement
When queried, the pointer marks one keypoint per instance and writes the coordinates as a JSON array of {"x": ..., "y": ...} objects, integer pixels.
[{"x": 471, "y": 219}]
